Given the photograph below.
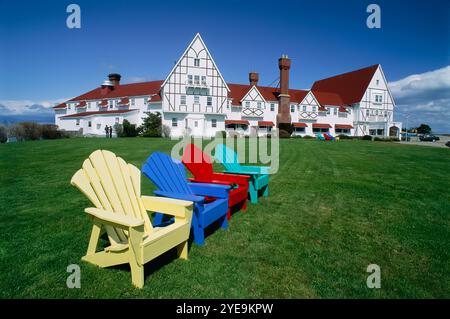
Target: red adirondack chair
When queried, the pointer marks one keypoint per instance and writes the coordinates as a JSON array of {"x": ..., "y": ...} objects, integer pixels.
[{"x": 200, "y": 165}]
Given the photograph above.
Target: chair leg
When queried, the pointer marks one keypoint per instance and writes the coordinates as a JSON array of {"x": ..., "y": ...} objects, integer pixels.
[
  {"x": 253, "y": 195},
  {"x": 225, "y": 223},
  {"x": 182, "y": 250},
  {"x": 266, "y": 191},
  {"x": 199, "y": 236},
  {"x": 137, "y": 273},
  {"x": 244, "y": 205},
  {"x": 229, "y": 213}
]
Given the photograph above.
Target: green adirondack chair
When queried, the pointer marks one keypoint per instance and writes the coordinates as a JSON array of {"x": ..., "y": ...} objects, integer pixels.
[{"x": 259, "y": 175}]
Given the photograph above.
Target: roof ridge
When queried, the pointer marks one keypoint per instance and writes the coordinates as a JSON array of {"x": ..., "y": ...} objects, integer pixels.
[{"x": 350, "y": 72}]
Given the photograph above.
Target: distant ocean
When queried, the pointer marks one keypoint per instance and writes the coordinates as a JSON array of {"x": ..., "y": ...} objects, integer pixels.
[{"x": 43, "y": 119}]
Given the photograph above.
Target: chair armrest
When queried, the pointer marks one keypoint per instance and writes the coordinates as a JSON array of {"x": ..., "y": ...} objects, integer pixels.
[
  {"x": 231, "y": 178},
  {"x": 260, "y": 169},
  {"x": 114, "y": 219},
  {"x": 243, "y": 172},
  {"x": 210, "y": 181},
  {"x": 213, "y": 190},
  {"x": 186, "y": 197},
  {"x": 169, "y": 206}
]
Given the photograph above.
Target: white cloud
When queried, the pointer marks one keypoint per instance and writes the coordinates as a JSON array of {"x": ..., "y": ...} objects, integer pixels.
[
  {"x": 25, "y": 107},
  {"x": 135, "y": 79},
  {"x": 424, "y": 98}
]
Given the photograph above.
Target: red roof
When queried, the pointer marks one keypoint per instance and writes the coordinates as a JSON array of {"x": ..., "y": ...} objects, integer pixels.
[
  {"x": 124, "y": 101},
  {"x": 61, "y": 106},
  {"x": 238, "y": 91},
  {"x": 83, "y": 114},
  {"x": 350, "y": 86},
  {"x": 265, "y": 123},
  {"x": 320, "y": 125},
  {"x": 327, "y": 98},
  {"x": 343, "y": 126},
  {"x": 82, "y": 104},
  {"x": 244, "y": 122},
  {"x": 299, "y": 124}
]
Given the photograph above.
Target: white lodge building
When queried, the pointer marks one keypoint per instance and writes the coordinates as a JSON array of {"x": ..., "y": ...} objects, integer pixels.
[{"x": 195, "y": 99}]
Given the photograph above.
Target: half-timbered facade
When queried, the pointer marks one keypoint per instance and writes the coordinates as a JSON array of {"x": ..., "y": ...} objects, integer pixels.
[{"x": 195, "y": 100}]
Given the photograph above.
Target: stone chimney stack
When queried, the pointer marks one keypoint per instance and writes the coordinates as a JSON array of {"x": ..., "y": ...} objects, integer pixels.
[
  {"x": 253, "y": 77},
  {"x": 114, "y": 78},
  {"x": 284, "y": 99}
]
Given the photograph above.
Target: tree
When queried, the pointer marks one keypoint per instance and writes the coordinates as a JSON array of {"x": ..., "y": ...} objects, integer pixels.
[
  {"x": 424, "y": 129},
  {"x": 3, "y": 134},
  {"x": 151, "y": 127},
  {"x": 129, "y": 130}
]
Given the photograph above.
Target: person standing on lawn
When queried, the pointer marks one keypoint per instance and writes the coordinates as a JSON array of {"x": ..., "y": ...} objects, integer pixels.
[
  {"x": 110, "y": 131},
  {"x": 107, "y": 131}
]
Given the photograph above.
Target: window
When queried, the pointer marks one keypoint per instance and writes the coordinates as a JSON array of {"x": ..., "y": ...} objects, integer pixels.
[
  {"x": 258, "y": 105},
  {"x": 213, "y": 123},
  {"x": 367, "y": 112},
  {"x": 196, "y": 99},
  {"x": 247, "y": 104},
  {"x": 189, "y": 79},
  {"x": 88, "y": 105},
  {"x": 372, "y": 132},
  {"x": 111, "y": 104},
  {"x": 78, "y": 122},
  {"x": 209, "y": 101},
  {"x": 89, "y": 124},
  {"x": 342, "y": 131},
  {"x": 69, "y": 106},
  {"x": 196, "y": 79},
  {"x": 203, "y": 80},
  {"x": 196, "y": 62},
  {"x": 376, "y": 112},
  {"x": 272, "y": 107},
  {"x": 321, "y": 130},
  {"x": 99, "y": 126},
  {"x": 174, "y": 122},
  {"x": 314, "y": 108},
  {"x": 378, "y": 82},
  {"x": 97, "y": 104},
  {"x": 183, "y": 100},
  {"x": 299, "y": 129},
  {"x": 380, "y": 132},
  {"x": 304, "y": 108},
  {"x": 117, "y": 120},
  {"x": 292, "y": 108},
  {"x": 195, "y": 123},
  {"x": 378, "y": 98},
  {"x": 145, "y": 100},
  {"x": 228, "y": 104},
  {"x": 328, "y": 111},
  {"x": 132, "y": 102}
]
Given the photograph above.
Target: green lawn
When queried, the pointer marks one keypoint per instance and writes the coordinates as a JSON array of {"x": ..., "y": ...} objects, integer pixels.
[{"x": 333, "y": 209}]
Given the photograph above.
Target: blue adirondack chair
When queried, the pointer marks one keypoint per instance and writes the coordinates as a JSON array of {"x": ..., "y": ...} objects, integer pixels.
[
  {"x": 169, "y": 175},
  {"x": 259, "y": 175}
]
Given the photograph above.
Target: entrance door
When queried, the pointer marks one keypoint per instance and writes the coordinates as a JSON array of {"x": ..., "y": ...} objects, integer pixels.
[{"x": 195, "y": 126}]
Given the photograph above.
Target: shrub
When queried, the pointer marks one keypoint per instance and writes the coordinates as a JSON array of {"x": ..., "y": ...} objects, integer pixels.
[
  {"x": 118, "y": 128},
  {"x": 50, "y": 132},
  {"x": 3, "y": 134},
  {"x": 152, "y": 125},
  {"x": 345, "y": 137},
  {"x": 165, "y": 132},
  {"x": 284, "y": 134},
  {"x": 221, "y": 134},
  {"x": 387, "y": 139},
  {"x": 286, "y": 127},
  {"x": 16, "y": 130},
  {"x": 31, "y": 131},
  {"x": 129, "y": 130},
  {"x": 297, "y": 136},
  {"x": 308, "y": 137},
  {"x": 366, "y": 138}
]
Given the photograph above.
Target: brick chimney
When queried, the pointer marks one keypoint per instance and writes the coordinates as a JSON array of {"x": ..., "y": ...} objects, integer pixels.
[
  {"x": 284, "y": 100},
  {"x": 253, "y": 77},
  {"x": 107, "y": 86},
  {"x": 114, "y": 78}
]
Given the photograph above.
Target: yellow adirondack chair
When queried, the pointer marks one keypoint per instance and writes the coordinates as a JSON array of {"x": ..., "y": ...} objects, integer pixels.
[{"x": 114, "y": 187}]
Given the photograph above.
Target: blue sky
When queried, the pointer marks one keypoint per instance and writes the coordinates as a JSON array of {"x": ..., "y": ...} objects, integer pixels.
[{"x": 42, "y": 61}]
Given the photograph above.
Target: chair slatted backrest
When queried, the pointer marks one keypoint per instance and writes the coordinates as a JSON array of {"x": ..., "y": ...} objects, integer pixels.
[
  {"x": 112, "y": 184},
  {"x": 227, "y": 157},
  {"x": 197, "y": 162},
  {"x": 166, "y": 174}
]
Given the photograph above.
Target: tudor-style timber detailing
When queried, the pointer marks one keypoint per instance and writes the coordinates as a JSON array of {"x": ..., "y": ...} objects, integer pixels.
[{"x": 195, "y": 100}]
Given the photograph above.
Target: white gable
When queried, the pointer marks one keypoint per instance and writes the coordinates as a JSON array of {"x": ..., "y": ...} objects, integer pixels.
[
  {"x": 253, "y": 95},
  {"x": 309, "y": 99},
  {"x": 195, "y": 84}
]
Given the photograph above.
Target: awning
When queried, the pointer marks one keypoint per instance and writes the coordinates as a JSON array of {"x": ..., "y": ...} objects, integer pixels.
[
  {"x": 319, "y": 125},
  {"x": 82, "y": 104},
  {"x": 266, "y": 123},
  {"x": 299, "y": 124},
  {"x": 104, "y": 103},
  {"x": 124, "y": 101},
  {"x": 343, "y": 126},
  {"x": 242, "y": 122}
]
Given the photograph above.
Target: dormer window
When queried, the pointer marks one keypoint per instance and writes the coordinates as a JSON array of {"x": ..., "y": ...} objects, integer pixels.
[
  {"x": 197, "y": 79},
  {"x": 335, "y": 110},
  {"x": 258, "y": 105},
  {"x": 196, "y": 62},
  {"x": 145, "y": 100},
  {"x": 272, "y": 107},
  {"x": 111, "y": 104},
  {"x": 247, "y": 104},
  {"x": 292, "y": 108},
  {"x": 132, "y": 102}
]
